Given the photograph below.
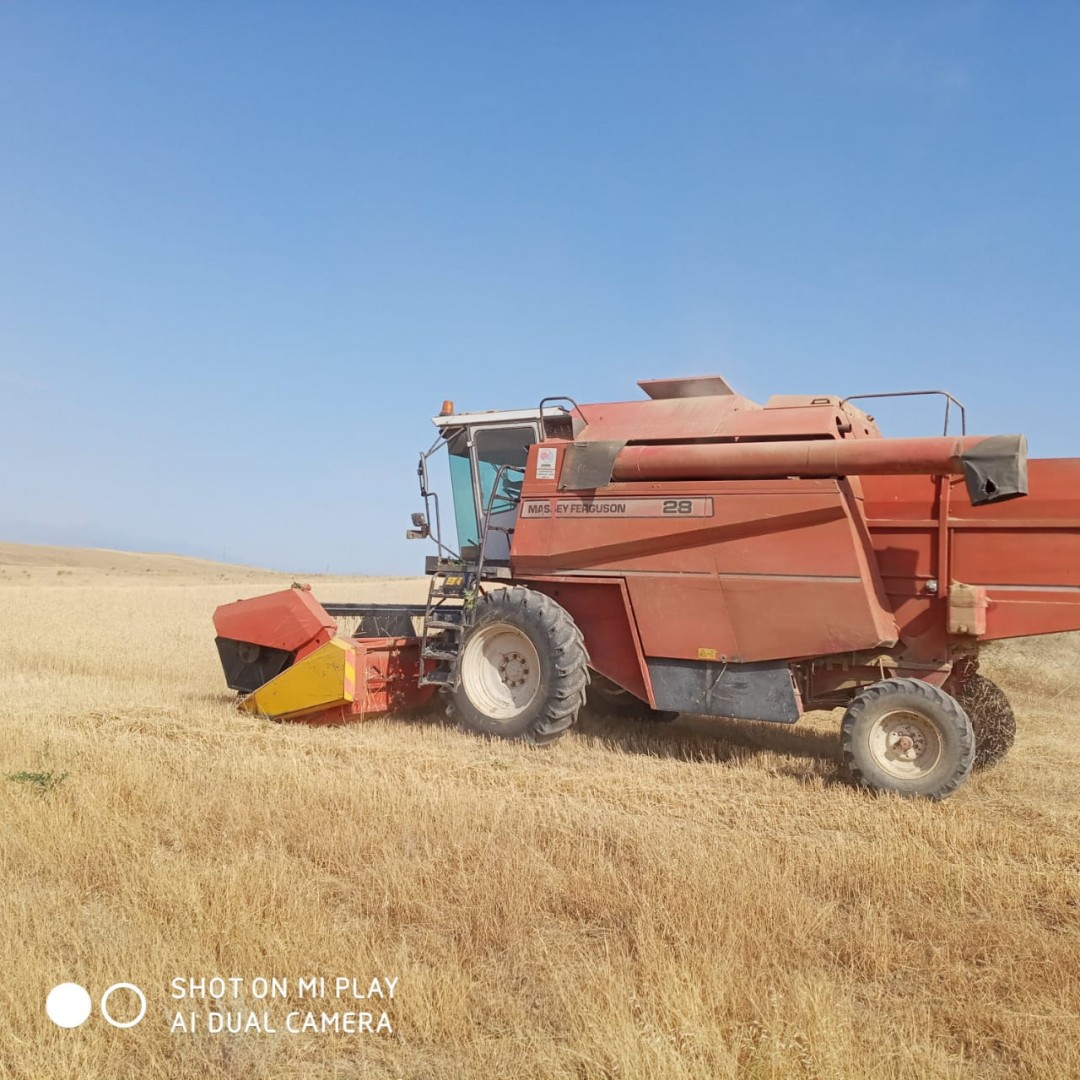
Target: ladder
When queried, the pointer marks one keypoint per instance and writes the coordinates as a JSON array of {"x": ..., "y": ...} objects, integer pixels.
[{"x": 447, "y": 616}]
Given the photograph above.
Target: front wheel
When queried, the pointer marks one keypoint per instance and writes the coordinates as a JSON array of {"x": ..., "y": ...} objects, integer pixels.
[
  {"x": 524, "y": 669},
  {"x": 908, "y": 737}
]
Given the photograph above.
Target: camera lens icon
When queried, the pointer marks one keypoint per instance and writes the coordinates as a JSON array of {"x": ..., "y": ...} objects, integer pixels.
[{"x": 68, "y": 1005}]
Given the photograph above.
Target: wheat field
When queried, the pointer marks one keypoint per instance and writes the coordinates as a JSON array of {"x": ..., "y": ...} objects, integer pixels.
[{"x": 703, "y": 899}]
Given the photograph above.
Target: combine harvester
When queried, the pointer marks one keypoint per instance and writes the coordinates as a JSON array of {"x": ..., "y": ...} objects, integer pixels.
[{"x": 694, "y": 552}]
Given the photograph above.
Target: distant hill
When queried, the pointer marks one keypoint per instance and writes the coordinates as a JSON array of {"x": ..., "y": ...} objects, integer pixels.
[
  {"x": 41, "y": 563},
  {"x": 44, "y": 556}
]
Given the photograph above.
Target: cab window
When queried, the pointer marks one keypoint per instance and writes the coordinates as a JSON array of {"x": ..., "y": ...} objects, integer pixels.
[{"x": 496, "y": 447}]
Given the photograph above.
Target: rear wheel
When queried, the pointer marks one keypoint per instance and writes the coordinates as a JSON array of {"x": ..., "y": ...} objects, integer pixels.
[
  {"x": 992, "y": 719},
  {"x": 908, "y": 737},
  {"x": 523, "y": 670}
]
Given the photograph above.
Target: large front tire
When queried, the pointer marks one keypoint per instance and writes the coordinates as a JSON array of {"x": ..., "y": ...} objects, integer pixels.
[
  {"x": 524, "y": 669},
  {"x": 908, "y": 737}
]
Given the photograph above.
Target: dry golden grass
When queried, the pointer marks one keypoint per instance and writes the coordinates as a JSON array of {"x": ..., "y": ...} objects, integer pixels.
[{"x": 703, "y": 899}]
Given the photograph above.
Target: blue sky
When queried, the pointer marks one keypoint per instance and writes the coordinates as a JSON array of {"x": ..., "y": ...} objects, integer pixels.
[{"x": 246, "y": 249}]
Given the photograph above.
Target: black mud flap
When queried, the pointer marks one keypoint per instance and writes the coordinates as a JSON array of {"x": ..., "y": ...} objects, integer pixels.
[{"x": 760, "y": 691}]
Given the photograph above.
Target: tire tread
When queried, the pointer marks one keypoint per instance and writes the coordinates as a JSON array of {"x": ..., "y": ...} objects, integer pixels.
[
  {"x": 934, "y": 697},
  {"x": 570, "y": 667}
]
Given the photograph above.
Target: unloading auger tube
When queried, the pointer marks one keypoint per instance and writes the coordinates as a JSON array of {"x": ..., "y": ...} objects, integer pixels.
[{"x": 994, "y": 466}]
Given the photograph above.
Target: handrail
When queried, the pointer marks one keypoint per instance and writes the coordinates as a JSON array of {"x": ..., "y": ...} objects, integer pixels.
[
  {"x": 949, "y": 402},
  {"x": 557, "y": 397}
]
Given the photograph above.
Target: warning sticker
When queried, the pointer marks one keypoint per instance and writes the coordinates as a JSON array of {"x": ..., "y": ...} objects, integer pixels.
[
  {"x": 591, "y": 507},
  {"x": 546, "y": 457}
]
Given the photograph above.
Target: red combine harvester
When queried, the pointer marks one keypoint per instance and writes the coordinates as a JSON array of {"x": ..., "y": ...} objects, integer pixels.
[{"x": 694, "y": 552}]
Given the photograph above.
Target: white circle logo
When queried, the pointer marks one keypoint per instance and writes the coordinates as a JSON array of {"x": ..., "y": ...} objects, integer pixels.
[
  {"x": 68, "y": 1005},
  {"x": 105, "y": 1012}
]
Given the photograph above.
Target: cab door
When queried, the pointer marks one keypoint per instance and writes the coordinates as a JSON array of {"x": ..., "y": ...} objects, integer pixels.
[{"x": 492, "y": 448}]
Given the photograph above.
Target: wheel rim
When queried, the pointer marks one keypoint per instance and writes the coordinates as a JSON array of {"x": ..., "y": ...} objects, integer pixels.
[
  {"x": 905, "y": 744},
  {"x": 500, "y": 670}
]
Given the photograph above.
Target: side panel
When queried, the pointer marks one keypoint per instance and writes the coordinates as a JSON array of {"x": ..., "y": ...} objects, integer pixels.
[
  {"x": 742, "y": 691},
  {"x": 344, "y": 681},
  {"x": 1024, "y": 553},
  {"x": 291, "y": 620},
  {"x": 325, "y": 679},
  {"x": 902, "y": 514},
  {"x": 387, "y": 670},
  {"x": 601, "y": 609},
  {"x": 735, "y": 570}
]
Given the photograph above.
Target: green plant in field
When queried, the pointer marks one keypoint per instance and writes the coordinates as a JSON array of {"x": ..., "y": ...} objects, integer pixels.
[{"x": 43, "y": 782}]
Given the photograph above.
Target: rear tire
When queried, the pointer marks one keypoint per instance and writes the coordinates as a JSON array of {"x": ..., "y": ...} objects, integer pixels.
[
  {"x": 908, "y": 737},
  {"x": 524, "y": 669},
  {"x": 992, "y": 719}
]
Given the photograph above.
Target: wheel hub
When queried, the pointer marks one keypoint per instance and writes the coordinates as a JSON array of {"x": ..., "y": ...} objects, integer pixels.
[
  {"x": 500, "y": 670},
  {"x": 908, "y": 743},
  {"x": 905, "y": 744},
  {"x": 514, "y": 670}
]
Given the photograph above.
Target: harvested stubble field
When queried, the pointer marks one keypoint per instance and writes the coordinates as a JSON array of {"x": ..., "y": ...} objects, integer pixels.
[{"x": 703, "y": 899}]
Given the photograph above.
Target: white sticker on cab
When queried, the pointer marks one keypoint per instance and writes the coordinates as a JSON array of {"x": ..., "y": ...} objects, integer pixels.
[{"x": 545, "y": 462}]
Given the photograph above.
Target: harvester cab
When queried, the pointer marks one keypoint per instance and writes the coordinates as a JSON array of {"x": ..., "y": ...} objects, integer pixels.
[
  {"x": 486, "y": 454},
  {"x": 693, "y": 551}
]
